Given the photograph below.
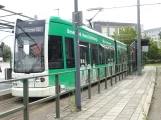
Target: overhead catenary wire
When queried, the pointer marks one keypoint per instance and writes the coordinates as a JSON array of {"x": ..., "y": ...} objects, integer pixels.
[{"x": 132, "y": 6}]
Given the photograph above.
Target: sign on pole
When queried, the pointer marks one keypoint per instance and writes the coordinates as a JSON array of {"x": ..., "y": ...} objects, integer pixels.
[{"x": 80, "y": 18}]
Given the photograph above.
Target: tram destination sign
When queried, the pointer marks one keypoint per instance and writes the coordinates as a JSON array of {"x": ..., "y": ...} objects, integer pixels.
[
  {"x": 31, "y": 29},
  {"x": 37, "y": 26}
]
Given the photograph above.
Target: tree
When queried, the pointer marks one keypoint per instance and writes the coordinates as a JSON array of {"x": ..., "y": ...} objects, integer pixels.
[
  {"x": 6, "y": 53},
  {"x": 159, "y": 35},
  {"x": 126, "y": 35},
  {"x": 154, "y": 51}
]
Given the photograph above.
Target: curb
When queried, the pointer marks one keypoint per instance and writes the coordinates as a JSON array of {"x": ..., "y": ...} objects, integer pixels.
[{"x": 148, "y": 100}]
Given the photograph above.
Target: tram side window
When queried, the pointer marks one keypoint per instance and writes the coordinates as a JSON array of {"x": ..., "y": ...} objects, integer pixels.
[
  {"x": 101, "y": 54},
  {"x": 122, "y": 56},
  {"x": 55, "y": 52},
  {"x": 108, "y": 54},
  {"x": 94, "y": 54},
  {"x": 119, "y": 57},
  {"x": 84, "y": 54},
  {"x": 70, "y": 60},
  {"x": 125, "y": 57},
  {"x": 112, "y": 55}
]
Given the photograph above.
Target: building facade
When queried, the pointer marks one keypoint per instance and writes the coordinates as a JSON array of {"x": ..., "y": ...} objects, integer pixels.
[
  {"x": 153, "y": 33},
  {"x": 108, "y": 28}
]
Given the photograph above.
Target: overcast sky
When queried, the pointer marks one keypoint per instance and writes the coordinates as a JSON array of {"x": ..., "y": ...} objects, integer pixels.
[{"x": 150, "y": 15}]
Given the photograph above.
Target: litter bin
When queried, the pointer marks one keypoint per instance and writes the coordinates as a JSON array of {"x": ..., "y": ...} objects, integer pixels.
[{"x": 8, "y": 73}]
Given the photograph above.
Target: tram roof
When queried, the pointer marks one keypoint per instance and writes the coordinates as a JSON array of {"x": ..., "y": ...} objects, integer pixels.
[
  {"x": 68, "y": 22},
  {"x": 58, "y": 19}
]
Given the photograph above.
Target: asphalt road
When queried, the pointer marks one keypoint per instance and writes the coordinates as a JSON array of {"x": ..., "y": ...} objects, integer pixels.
[
  {"x": 155, "y": 109},
  {"x": 4, "y": 65}
]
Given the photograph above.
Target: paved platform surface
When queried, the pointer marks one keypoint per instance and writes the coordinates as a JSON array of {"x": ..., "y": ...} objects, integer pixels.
[{"x": 127, "y": 100}]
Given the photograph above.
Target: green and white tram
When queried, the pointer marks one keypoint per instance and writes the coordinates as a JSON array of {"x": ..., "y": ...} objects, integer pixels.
[{"x": 48, "y": 46}]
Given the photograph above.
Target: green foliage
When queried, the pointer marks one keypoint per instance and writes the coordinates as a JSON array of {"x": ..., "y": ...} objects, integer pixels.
[
  {"x": 159, "y": 35},
  {"x": 154, "y": 52},
  {"x": 145, "y": 58},
  {"x": 6, "y": 53},
  {"x": 126, "y": 35}
]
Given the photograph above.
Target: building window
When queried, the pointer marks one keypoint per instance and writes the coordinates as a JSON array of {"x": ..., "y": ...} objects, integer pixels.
[
  {"x": 111, "y": 31},
  {"x": 104, "y": 31}
]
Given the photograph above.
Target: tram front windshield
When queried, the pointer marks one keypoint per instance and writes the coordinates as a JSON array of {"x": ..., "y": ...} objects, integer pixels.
[{"x": 29, "y": 46}]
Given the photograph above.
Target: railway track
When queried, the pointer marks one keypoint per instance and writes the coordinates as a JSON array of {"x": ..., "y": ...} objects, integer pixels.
[
  {"x": 8, "y": 101},
  {"x": 49, "y": 106}
]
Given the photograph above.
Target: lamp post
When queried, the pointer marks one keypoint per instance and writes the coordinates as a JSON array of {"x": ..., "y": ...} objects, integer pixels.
[
  {"x": 139, "y": 39},
  {"x": 57, "y": 10},
  {"x": 77, "y": 60}
]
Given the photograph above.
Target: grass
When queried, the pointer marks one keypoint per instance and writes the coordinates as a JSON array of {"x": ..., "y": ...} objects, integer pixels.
[
  {"x": 156, "y": 64},
  {"x": 145, "y": 117}
]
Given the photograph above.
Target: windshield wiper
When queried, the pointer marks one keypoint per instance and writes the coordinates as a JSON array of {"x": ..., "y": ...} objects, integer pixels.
[{"x": 27, "y": 35}]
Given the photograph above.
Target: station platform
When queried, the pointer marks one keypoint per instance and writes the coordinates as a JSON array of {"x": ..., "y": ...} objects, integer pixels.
[{"x": 129, "y": 99}]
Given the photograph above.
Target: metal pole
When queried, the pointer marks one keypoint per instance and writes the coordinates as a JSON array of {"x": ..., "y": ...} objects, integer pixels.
[
  {"x": 108, "y": 34},
  {"x": 57, "y": 97},
  {"x": 89, "y": 82},
  {"x": 139, "y": 39},
  {"x": 10, "y": 59},
  {"x": 77, "y": 60},
  {"x": 111, "y": 75},
  {"x": 117, "y": 34},
  {"x": 26, "y": 100},
  {"x": 106, "y": 77},
  {"x": 115, "y": 73},
  {"x": 98, "y": 80},
  {"x": 57, "y": 10}
]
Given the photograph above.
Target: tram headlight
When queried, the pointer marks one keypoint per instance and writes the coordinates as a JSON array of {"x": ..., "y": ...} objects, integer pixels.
[{"x": 42, "y": 79}]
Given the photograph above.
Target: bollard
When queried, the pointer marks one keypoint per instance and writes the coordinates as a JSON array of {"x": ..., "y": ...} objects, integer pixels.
[
  {"x": 89, "y": 84},
  {"x": 57, "y": 96},
  {"x": 26, "y": 99}
]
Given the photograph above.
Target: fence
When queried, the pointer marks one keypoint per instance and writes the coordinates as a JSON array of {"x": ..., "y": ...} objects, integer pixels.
[{"x": 120, "y": 70}]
